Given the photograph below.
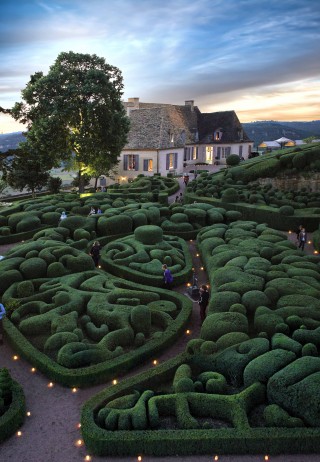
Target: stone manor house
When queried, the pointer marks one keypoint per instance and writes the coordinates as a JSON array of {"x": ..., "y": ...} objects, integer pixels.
[{"x": 165, "y": 138}]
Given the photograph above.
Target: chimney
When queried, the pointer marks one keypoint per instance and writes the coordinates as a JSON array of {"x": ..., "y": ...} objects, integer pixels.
[
  {"x": 190, "y": 103},
  {"x": 133, "y": 103}
]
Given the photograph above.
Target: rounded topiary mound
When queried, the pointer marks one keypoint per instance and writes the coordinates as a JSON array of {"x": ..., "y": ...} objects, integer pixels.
[
  {"x": 286, "y": 210},
  {"x": 217, "y": 324},
  {"x": 33, "y": 268},
  {"x": 141, "y": 319},
  {"x": 25, "y": 289},
  {"x": 149, "y": 234},
  {"x": 28, "y": 223}
]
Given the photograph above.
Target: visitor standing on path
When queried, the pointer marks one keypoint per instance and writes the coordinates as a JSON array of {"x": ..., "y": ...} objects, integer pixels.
[
  {"x": 203, "y": 301},
  {"x": 95, "y": 252},
  {"x": 302, "y": 238},
  {"x": 2, "y": 315},
  {"x": 167, "y": 277},
  {"x": 298, "y": 233}
]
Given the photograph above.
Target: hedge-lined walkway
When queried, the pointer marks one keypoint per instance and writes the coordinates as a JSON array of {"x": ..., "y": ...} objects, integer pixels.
[{"x": 50, "y": 433}]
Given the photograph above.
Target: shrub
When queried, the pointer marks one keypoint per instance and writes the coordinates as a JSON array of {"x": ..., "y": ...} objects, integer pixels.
[
  {"x": 25, "y": 289},
  {"x": 140, "y": 319},
  {"x": 286, "y": 210},
  {"x": 217, "y": 324},
  {"x": 51, "y": 218},
  {"x": 27, "y": 224},
  {"x": 266, "y": 365},
  {"x": 33, "y": 268},
  {"x": 149, "y": 234},
  {"x": 233, "y": 160}
]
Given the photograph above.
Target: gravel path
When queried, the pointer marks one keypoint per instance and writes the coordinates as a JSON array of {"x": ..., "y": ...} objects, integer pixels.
[{"x": 51, "y": 432}]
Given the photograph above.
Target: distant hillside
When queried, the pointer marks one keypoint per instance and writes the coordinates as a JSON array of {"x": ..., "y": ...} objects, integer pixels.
[
  {"x": 10, "y": 141},
  {"x": 270, "y": 130}
]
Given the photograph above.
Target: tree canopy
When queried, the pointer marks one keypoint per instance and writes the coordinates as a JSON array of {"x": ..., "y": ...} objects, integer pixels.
[
  {"x": 25, "y": 169},
  {"x": 75, "y": 111}
]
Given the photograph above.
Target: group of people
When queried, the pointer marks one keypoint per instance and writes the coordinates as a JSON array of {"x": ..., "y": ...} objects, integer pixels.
[
  {"x": 179, "y": 199},
  {"x": 95, "y": 211},
  {"x": 204, "y": 292},
  {"x": 301, "y": 237}
]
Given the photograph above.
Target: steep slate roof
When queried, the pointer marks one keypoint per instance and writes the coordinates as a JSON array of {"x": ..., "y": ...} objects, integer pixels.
[
  {"x": 225, "y": 121},
  {"x": 152, "y": 126}
]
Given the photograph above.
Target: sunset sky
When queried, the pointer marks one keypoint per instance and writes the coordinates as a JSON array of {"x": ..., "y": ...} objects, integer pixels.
[{"x": 260, "y": 58}]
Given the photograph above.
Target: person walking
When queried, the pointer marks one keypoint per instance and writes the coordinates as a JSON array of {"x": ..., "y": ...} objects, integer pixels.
[
  {"x": 203, "y": 301},
  {"x": 298, "y": 233},
  {"x": 302, "y": 238},
  {"x": 95, "y": 252},
  {"x": 2, "y": 315},
  {"x": 167, "y": 277}
]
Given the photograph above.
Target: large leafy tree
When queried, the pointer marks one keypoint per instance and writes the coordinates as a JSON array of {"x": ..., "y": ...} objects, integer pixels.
[
  {"x": 25, "y": 169},
  {"x": 75, "y": 111}
]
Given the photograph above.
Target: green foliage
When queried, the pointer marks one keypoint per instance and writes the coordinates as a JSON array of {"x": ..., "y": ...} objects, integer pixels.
[
  {"x": 57, "y": 131},
  {"x": 233, "y": 160},
  {"x": 54, "y": 184}
]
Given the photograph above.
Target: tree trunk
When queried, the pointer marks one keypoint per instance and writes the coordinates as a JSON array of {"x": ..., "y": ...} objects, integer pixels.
[
  {"x": 96, "y": 182},
  {"x": 81, "y": 183}
]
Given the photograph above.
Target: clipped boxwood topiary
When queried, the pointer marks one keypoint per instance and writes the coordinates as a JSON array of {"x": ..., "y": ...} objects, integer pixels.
[
  {"x": 217, "y": 324},
  {"x": 149, "y": 234},
  {"x": 286, "y": 210},
  {"x": 33, "y": 268}
]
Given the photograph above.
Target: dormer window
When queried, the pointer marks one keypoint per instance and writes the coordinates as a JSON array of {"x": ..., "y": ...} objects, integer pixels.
[{"x": 217, "y": 134}]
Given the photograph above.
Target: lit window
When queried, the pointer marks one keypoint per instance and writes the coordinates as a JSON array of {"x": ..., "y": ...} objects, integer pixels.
[
  {"x": 209, "y": 153},
  {"x": 171, "y": 160},
  {"x": 131, "y": 162},
  {"x": 148, "y": 165},
  {"x": 217, "y": 134},
  {"x": 195, "y": 153}
]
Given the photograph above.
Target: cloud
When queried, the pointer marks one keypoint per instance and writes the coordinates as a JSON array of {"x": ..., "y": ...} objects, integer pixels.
[{"x": 168, "y": 51}]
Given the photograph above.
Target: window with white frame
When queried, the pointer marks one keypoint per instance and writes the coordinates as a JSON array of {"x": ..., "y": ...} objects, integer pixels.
[
  {"x": 195, "y": 153},
  {"x": 171, "y": 161},
  {"x": 209, "y": 153},
  {"x": 187, "y": 153},
  {"x": 225, "y": 152},
  {"x": 148, "y": 165},
  {"x": 131, "y": 162}
]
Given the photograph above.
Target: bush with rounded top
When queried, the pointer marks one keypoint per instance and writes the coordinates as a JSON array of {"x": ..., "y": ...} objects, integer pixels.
[
  {"x": 33, "y": 268},
  {"x": 149, "y": 234},
  {"x": 309, "y": 349},
  {"x": 28, "y": 224},
  {"x": 217, "y": 324},
  {"x": 233, "y": 160},
  {"x": 50, "y": 218},
  {"x": 295, "y": 387},
  {"x": 222, "y": 301},
  {"x": 179, "y": 218},
  {"x": 8, "y": 278},
  {"x": 25, "y": 289},
  {"x": 254, "y": 298},
  {"x": 231, "y": 338},
  {"x": 286, "y": 210},
  {"x": 55, "y": 270},
  {"x": 140, "y": 319},
  {"x": 275, "y": 416},
  {"x": 263, "y": 367},
  {"x": 230, "y": 195}
]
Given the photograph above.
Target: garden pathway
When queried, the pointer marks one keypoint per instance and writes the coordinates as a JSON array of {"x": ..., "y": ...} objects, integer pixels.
[{"x": 51, "y": 432}]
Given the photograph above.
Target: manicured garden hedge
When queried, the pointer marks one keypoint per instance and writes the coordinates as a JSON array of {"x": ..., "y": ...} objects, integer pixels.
[{"x": 12, "y": 405}]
